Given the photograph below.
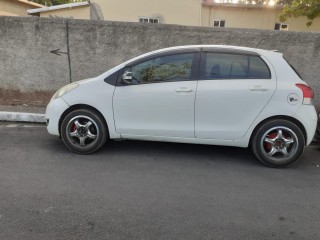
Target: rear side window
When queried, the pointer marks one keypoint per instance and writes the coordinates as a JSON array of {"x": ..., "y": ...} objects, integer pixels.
[{"x": 234, "y": 66}]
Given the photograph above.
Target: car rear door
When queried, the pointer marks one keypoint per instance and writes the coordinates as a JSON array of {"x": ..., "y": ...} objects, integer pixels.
[{"x": 233, "y": 88}]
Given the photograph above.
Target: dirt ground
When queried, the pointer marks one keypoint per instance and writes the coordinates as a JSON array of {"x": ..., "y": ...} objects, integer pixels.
[{"x": 15, "y": 98}]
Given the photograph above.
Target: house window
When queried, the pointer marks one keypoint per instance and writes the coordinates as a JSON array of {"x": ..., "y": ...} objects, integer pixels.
[
  {"x": 219, "y": 23},
  {"x": 148, "y": 20},
  {"x": 281, "y": 27}
]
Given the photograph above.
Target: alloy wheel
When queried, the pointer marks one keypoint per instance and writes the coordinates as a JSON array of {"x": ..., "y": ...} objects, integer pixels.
[
  {"x": 279, "y": 143},
  {"x": 82, "y": 131}
]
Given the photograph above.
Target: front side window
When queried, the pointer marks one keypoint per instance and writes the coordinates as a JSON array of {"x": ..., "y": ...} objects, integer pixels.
[
  {"x": 234, "y": 66},
  {"x": 165, "y": 68}
]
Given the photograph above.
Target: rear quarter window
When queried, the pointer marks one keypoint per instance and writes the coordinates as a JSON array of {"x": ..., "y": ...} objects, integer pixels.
[{"x": 258, "y": 68}]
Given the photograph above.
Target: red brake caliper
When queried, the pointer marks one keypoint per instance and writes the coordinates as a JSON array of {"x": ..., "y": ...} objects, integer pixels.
[
  {"x": 267, "y": 145},
  {"x": 73, "y": 128}
]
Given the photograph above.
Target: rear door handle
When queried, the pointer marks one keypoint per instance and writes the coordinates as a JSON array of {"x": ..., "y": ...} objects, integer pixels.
[
  {"x": 258, "y": 89},
  {"x": 184, "y": 90}
]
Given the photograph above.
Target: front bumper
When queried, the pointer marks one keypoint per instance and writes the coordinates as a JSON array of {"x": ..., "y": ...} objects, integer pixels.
[{"x": 54, "y": 111}]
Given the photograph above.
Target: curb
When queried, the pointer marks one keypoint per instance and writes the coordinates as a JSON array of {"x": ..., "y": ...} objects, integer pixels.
[{"x": 22, "y": 117}]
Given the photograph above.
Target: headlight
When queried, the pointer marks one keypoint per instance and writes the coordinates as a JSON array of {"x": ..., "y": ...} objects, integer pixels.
[{"x": 62, "y": 91}]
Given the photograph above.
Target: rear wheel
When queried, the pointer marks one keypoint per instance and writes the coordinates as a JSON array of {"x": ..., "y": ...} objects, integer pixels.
[
  {"x": 278, "y": 143},
  {"x": 83, "y": 131}
]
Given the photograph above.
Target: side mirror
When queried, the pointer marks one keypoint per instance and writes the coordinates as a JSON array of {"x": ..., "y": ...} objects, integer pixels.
[{"x": 127, "y": 77}]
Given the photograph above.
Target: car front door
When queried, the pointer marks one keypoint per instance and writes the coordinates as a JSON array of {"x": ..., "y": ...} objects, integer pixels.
[
  {"x": 155, "y": 97},
  {"x": 233, "y": 89}
]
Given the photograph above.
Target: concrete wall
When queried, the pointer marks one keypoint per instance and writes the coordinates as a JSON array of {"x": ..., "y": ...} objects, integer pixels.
[{"x": 27, "y": 66}]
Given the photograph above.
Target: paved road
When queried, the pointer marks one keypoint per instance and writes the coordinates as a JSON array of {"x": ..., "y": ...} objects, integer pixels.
[{"x": 142, "y": 190}]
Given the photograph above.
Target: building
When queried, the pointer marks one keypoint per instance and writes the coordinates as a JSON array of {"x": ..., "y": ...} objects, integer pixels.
[
  {"x": 253, "y": 16},
  {"x": 182, "y": 12},
  {"x": 208, "y": 13},
  {"x": 17, "y": 7}
]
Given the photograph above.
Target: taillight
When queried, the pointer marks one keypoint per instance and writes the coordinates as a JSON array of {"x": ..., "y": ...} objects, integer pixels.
[{"x": 308, "y": 93}]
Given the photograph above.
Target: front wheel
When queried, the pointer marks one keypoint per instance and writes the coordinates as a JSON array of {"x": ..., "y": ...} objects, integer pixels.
[
  {"x": 83, "y": 131},
  {"x": 278, "y": 143}
]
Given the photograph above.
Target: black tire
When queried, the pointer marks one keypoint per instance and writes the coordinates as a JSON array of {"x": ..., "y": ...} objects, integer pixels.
[
  {"x": 278, "y": 143},
  {"x": 317, "y": 136},
  {"x": 84, "y": 131}
]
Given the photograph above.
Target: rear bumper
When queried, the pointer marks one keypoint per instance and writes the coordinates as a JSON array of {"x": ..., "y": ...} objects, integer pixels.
[
  {"x": 53, "y": 114},
  {"x": 307, "y": 115}
]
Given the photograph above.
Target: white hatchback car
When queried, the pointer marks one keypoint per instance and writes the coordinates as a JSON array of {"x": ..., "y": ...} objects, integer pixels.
[{"x": 204, "y": 94}]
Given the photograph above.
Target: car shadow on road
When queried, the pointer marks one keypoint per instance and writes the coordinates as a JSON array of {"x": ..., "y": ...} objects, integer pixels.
[{"x": 179, "y": 151}]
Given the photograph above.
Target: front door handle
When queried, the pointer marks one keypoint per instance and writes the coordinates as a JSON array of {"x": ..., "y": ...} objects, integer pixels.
[{"x": 184, "y": 90}]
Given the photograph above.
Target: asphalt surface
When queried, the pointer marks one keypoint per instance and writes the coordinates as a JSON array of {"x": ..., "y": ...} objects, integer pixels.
[{"x": 148, "y": 190}]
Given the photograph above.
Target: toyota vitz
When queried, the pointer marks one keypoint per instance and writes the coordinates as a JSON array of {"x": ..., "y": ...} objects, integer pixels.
[{"x": 204, "y": 94}]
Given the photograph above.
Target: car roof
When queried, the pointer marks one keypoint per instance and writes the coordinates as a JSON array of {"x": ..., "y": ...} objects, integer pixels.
[
  {"x": 226, "y": 48},
  {"x": 213, "y": 47}
]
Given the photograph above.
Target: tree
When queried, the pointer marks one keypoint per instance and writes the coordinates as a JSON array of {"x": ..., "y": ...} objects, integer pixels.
[
  {"x": 54, "y": 2},
  {"x": 301, "y": 8}
]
